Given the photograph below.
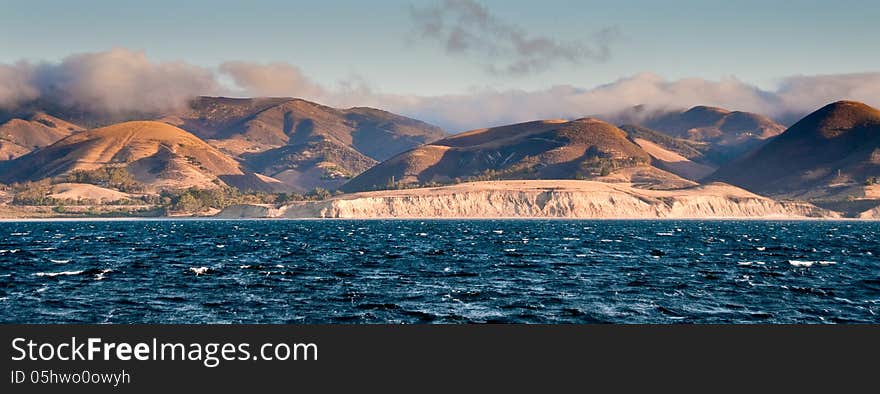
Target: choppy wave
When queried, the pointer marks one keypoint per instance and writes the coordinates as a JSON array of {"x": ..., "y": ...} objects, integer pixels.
[
  {"x": 62, "y": 273},
  {"x": 201, "y": 270},
  {"x": 97, "y": 272},
  {"x": 446, "y": 271}
]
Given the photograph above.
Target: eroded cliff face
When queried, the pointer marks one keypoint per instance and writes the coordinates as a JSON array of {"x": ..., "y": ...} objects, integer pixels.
[
  {"x": 249, "y": 211},
  {"x": 872, "y": 214},
  {"x": 549, "y": 199}
]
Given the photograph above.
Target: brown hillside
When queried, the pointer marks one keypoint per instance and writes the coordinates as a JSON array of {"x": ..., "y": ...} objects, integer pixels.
[
  {"x": 302, "y": 143},
  {"x": 550, "y": 149},
  {"x": 835, "y": 147},
  {"x": 20, "y": 136},
  {"x": 727, "y": 133},
  {"x": 157, "y": 154}
]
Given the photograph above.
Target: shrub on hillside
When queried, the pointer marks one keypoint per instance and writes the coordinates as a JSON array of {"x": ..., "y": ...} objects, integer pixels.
[
  {"x": 110, "y": 177},
  {"x": 32, "y": 193}
]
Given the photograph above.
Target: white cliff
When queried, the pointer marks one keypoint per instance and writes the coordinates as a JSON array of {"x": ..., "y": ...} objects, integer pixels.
[{"x": 543, "y": 199}]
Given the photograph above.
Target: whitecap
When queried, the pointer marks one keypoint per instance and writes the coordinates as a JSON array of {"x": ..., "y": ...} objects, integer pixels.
[
  {"x": 62, "y": 273},
  {"x": 665, "y": 234},
  {"x": 498, "y": 231},
  {"x": 801, "y": 263},
  {"x": 220, "y": 246},
  {"x": 199, "y": 270},
  {"x": 827, "y": 262},
  {"x": 100, "y": 275},
  {"x": 745, "y": 263},
  {"x": 59, "y": 261},
  {"x": 760, "y": 248}
]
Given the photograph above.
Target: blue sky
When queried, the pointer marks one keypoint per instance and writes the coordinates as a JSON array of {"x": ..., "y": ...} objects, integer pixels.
[
  {"x": 458, "y": 63},
  {"x": 755, "y": 41}
]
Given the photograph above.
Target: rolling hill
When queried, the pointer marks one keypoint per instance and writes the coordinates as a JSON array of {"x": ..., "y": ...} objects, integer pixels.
[
  {"x": 549, "y": 149},
  {"x": 19, "y": 136},
  {"x": 833, "y": 153},
  {"x": 678, "y": 156},
  {"x": 302, "y": 143},
  {"x": 156, "y": 154},
  {"x": 727, "y": 134}
]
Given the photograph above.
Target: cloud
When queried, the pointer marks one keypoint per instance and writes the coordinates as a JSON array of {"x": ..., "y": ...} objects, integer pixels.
[
  {"x": 118, "y": 80},
  {"x": 15, "y": 86},
  {"x": 466, "y": 27},
  {"x": 274, "y": 79},
  {"x": 124, "y": 81},
  {"x": 795, "y": 97},
  {"x": 650, "y": 91},
  {"x": 799, "y": 92}
]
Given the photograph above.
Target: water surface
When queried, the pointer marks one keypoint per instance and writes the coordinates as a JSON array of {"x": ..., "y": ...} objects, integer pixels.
[{"x": 439, "y": 271}]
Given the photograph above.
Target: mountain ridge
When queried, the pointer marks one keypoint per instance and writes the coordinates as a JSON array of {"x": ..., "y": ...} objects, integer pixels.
[
  {"x": 19, "y": 136},
  {"x": 155, "y": 153},
  {"x": 303, "y": 143},
  {"x": 834, "y": 147},
  {"x": 546, "y": 149}
]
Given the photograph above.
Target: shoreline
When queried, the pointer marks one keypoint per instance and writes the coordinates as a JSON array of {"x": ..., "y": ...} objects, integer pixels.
[
  {"x": 410, "y": 219},
  {"x": 498, "y": 200}
]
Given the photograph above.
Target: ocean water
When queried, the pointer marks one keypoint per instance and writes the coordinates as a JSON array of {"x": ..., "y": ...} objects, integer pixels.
[{"x": 439, "y": 271}]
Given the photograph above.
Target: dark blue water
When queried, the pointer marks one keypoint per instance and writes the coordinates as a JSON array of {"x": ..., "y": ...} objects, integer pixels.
[{"x": 528, "y": 271}]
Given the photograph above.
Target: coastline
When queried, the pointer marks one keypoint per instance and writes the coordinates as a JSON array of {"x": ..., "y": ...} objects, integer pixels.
[
  {"x": 498, "y": 200},
  {"x": 411, "y": 219},
  {"x": 542, "y": 199}
]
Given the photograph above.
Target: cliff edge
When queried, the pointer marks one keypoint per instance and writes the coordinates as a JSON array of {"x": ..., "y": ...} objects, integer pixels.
[{"x": 543, "y": 199}]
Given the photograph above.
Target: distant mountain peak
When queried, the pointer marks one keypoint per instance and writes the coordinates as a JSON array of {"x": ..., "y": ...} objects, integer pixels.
[
  {"x": 19, "y": 136},
  {"x": 585, "y": 148},
  {"x": 156, "y": 153},
  {"x": 727, "y": 133},
  {"x": 302, "y": 143},
  {"x": 707, "y": 109},
  {"x": 831, "y": 120},
  {"x": 830, "y": 153},
  {"x": 588, "y": 119}
]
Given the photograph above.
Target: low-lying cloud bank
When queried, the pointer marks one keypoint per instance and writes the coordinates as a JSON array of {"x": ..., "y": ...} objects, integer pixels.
[
  {"x": 114, "y": 81},
  {"x": 120, "y": 81}
]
